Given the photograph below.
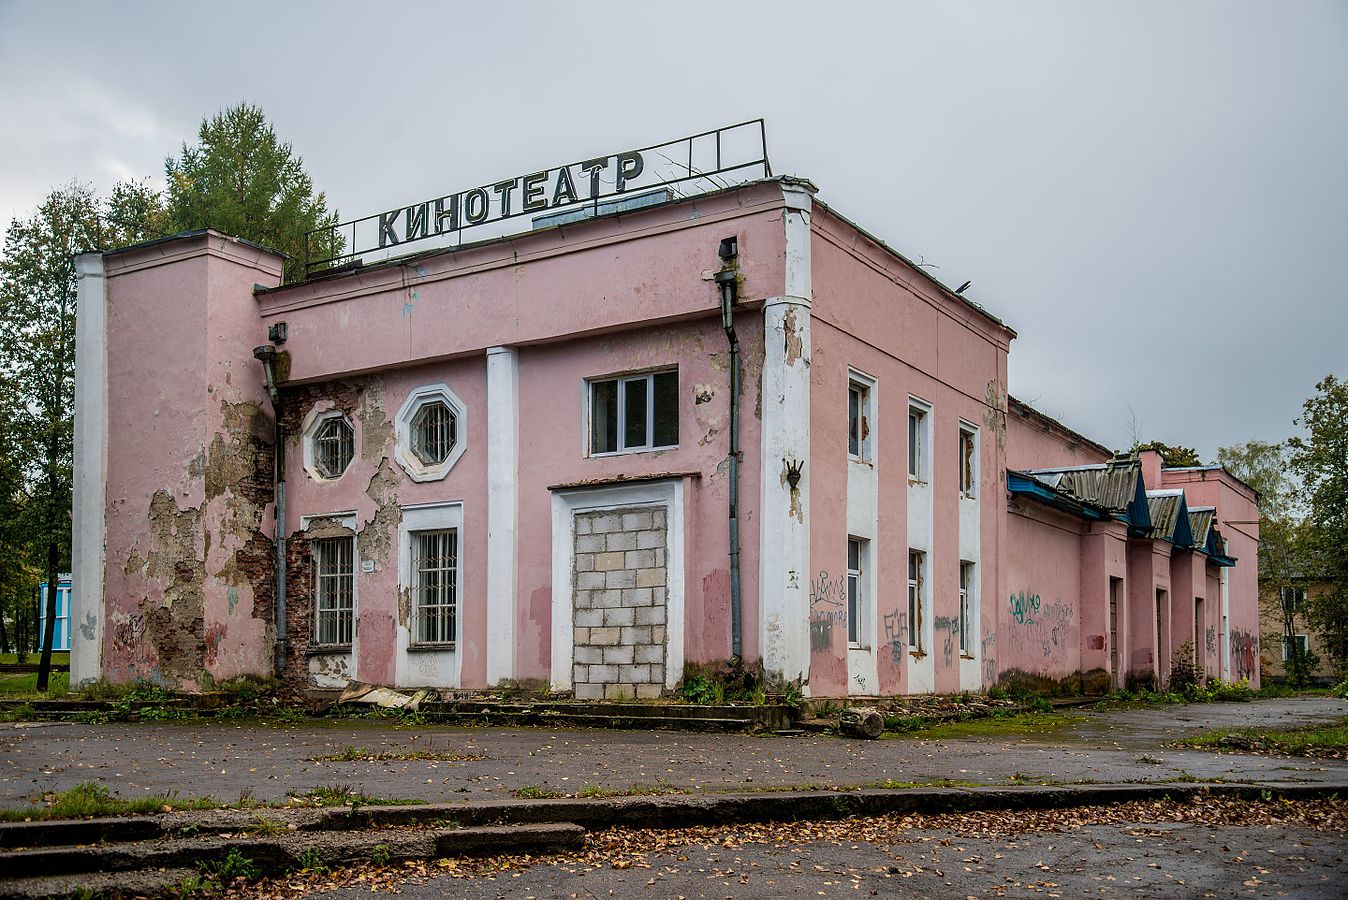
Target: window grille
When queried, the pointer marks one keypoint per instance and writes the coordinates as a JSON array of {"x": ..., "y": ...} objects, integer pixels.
[
  {"x": 435, "y": 572},
  {"x": 334, "y": 446},
  {"x": 434, "y": 432},
  {"x": 335, "y": 590}
]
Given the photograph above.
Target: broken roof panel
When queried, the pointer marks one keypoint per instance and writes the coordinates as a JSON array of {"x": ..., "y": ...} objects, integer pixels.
[
  {"x": 1170, "y": 517},
  {"x": 1115, "y": 486}
]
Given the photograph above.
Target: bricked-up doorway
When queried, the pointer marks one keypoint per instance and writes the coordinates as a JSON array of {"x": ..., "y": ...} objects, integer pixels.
[
  {"x": 619, "y": 603},
  {"x": 617, "y": 629}
]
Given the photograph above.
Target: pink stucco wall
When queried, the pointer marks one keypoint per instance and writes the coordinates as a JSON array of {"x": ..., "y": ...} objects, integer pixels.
[
  {"x": 1040, "y": 627},
  {"x": 877, "y": 315},
  {"x": 1035, "y": 441}
]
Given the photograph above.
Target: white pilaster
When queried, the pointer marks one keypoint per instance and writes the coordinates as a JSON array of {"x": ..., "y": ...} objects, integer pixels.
[
  {"x": 784, "y": 550},
  {"x": 502, "y": 509},
  {"x": 91, "y": 472}
]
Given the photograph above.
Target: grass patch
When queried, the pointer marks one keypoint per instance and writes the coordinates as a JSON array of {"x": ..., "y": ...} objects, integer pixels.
[
  {"x": 58, "y": 658},
  {"x": 1320, "y": 741},
  {"x": 341, "y": 795},
  {"x": 364, "y": 754},
  {"x": 1015, "y": 725},
  {"x": 536, "y": 792},
  {"x": 24, "y": 685},
  {"x": 90, "y": 800}
]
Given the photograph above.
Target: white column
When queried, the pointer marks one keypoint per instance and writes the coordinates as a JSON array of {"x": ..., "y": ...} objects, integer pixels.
[
  {"x": 502, "y": 509},
  {"x": 91, "y": 472},
  {"x": 784, "y": 550}
]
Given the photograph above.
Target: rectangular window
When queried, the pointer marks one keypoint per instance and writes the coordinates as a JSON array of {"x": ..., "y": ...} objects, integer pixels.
[
  {"x": 858, "y": 421},
  {"x": 639, "y": 412},
  {"x": 435, "y": 585},
  {"x": 1293, "y": 599},
  {"x": 915, "y": 579},
  {"x": 1297, "y": 641},
  {"x": 966, "y": 585},
  {"x": 855, "y": 590},
  {"x": 334, "y": 590},
  {"x": 968, "y": 465},
  {"x": 917, "y": 442}
]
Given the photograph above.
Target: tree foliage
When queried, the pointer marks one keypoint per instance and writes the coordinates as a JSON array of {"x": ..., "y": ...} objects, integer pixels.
[
  {"x": 243, "y": 180},
  {"x": 1173, "y": 457},
  {"x": 1319, "y": 459}
]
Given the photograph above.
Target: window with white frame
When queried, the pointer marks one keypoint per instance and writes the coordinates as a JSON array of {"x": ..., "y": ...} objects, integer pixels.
[
  {"x": 634, "y": 412},
  {"x": 966, "y": 608},
  {"x": 435, "y": 585},
  {"x": 916, "y": 576},
  {"x": 1292, "y": 598},
  {"x": 1297, "y": 642},
  {"x": 917, "y": 442},
  {"x": 334, "y": 590},
  {"x": 432, "y": 432},
  {"x": 968, "y": 459},
  {"x": 858, "y": 420},
  {"x": 856, "y": 589}
]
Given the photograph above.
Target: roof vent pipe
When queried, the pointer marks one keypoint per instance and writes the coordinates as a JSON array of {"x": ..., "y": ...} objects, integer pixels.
[
  {"x": 726, "y": 280},
  {"x": 266, "y": 354}
]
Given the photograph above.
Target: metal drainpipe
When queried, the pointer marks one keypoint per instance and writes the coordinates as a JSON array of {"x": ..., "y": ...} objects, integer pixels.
[
  {"x": 266, "y": 354},
  {"x": 729, "y": 253}
]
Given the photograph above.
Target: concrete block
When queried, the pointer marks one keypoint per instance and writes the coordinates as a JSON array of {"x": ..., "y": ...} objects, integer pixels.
[
  {"x": 646, "y": 615},
  {"x": 620, "y": 655},
  {"x": 623, "y": 578},
  {"x": 607, "y": 599},
  {"x": 583, "y": 525},
  {"x": 587, "y": 691},
  {"x": 579, "y": 673},
  {"x": 621, "y": 540},
  {"x": 648, "y": 653},
  {"x": 651, "y": 577},
  {"x": 659, "y": 556},
  {"x": 590, "y": 543},
  {"x": 635, "y": 674},
  {"x": 636, "y": 634},
  {"x": 590, "y": 655},
  {"x": 593, "y": 618},
  {"x": 604, "y": 674},
  {"x": 658, "y": 518},
  {"x": 637, "y": 521},
  {"x": 580, "y": 636},
  {"x": 639, "y": 559},
  {"x": 650, "y": 691},
  {"x": 586, "y": 581},
  {"x": 607, "y": 523},
  {"x": 584, "y": 562},
  {"x": 603, "y": 637},
  {"x": 620, "y": 616},
  {"x": 658, "y": 674},
  {"x": 649, "y": 540},
  {"x": 619, "y": 691},
  {"x": 606, "y": 562},
  {"x": 658, "y": 635},
  {"x": 638, "y": 596}
]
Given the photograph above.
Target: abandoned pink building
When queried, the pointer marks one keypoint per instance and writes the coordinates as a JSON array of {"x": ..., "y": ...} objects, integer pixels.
[{"x": 588, "y": 455}]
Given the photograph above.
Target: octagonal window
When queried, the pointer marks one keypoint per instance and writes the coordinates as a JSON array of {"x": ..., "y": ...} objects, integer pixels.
[
  {"x": 434, "y": 432},
  {"x": 333, "y": 446}
]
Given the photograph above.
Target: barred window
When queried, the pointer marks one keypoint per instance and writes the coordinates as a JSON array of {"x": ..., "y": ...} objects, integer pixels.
[
  {"x": 334, "y": 590},
  {"x": 435, "y": 580},
  {"x": 334, "y": 445},
  {"x": 434, "y": 432}
]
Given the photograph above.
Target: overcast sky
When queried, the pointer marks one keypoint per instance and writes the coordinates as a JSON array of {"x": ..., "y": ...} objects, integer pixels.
[{"x": 1153, "y": 194}]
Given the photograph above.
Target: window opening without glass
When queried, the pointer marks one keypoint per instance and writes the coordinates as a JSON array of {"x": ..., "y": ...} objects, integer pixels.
[
  {"x": 639, "y": 412},
  {"x": 858, "y": 420},
  {"x": 917, "y": 422},
  {"x": 435, "y": 571},
  {"x": 334, "y": 446},
  {"x": 334, "y": 591},
  {"x": 966, "y": 462}
]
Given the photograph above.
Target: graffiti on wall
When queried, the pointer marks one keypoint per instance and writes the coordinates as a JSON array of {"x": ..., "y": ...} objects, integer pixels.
[
  {"x": 1210, "y": 639},
  {"x": 1023, "y": 608},
  {"x": 896, "y": 631},
  {"x": 951, "y": 628},
  {"x": 828, "y": 607},
  {"x": 1244, "y": 654},
  {"x": 989, "y": 645}
]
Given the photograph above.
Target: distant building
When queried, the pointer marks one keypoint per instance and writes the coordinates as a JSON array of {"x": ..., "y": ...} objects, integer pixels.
[
  {"x": 1277, "y": 645},
  {"x": 61, "y": 636},
  {"x": 509, "y": 462}
]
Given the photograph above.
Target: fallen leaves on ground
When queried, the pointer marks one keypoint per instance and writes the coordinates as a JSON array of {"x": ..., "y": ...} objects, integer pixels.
[{"x": 628, "y": 848}]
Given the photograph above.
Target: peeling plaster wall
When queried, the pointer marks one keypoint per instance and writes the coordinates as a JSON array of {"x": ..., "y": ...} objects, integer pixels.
[
  {"x": 876, "y": 314},
  {"x": 1039, "y": 629},
  {"x": 188, "y": 580}
]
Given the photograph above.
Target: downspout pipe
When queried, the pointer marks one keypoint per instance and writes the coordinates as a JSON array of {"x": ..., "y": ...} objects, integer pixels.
[
  {"x": 266, "y": 354},
  {"x": 726, "y": 281}
]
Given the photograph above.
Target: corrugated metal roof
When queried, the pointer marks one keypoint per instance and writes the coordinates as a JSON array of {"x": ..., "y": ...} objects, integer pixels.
[
  {"x": 1200, "y": 522},
  {"x": 1112, "y": 486},
  {"x": 1169, "y": 517}
]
